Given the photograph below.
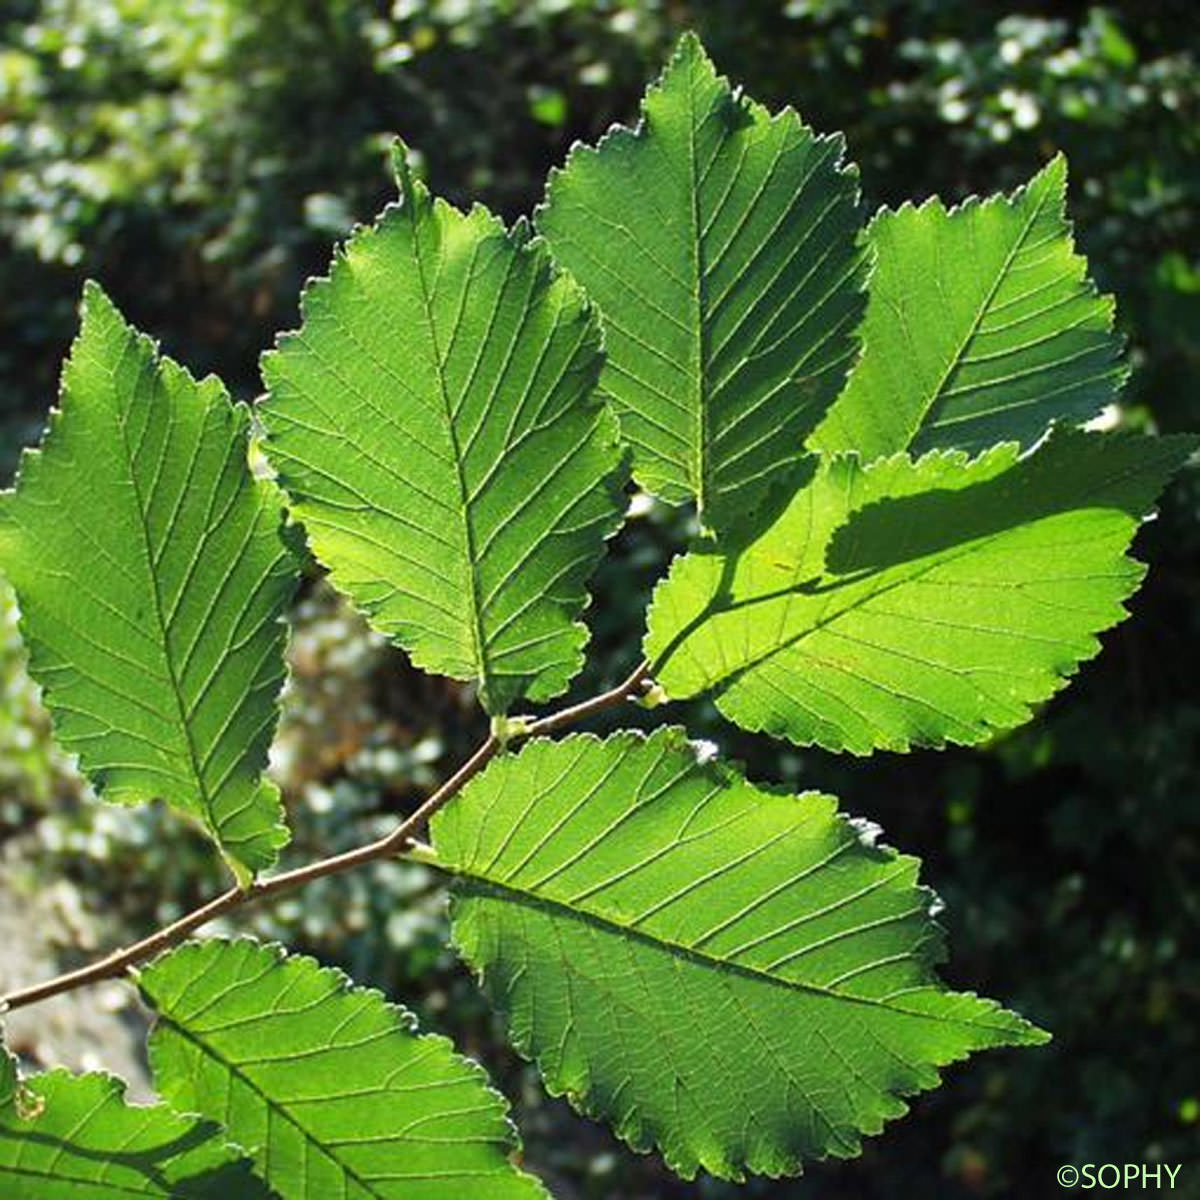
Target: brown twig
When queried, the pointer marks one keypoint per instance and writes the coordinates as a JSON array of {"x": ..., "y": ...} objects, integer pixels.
[
  {"x": 628, "y": 689},
  {"x": 388, "y": 846}
]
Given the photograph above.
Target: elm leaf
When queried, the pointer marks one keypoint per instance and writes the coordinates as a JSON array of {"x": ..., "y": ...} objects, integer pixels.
[
  {"x": 435, "y": 423},
  {"x": 982, "y": 327},
  {"x": 719, "y": 243},
  {"x": 908, "y": 603},
  {"x": 75, "y": 1137},
  {"x": 152, "y": 577},
  {"x": 326, "y": 1085},
  {"x": 737, "y": 976}
]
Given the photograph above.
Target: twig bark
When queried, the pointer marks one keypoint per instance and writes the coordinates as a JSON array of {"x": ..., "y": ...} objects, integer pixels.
[{"x": 388, "y": 846}]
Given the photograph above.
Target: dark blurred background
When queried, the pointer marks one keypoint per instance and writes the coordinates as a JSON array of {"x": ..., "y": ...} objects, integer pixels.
[{"x": 200, "y": 157}]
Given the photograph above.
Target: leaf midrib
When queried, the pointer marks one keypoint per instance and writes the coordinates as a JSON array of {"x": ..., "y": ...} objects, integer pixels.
[
  {"x": 936, "y": 397},
  {"x": 610, "y": 925},
  {"x": 474, "y": 601},
  {"x": 210, "y": 1051},
  {"x": 172, "y": 680},
  {"x": 699, "y": 304}
]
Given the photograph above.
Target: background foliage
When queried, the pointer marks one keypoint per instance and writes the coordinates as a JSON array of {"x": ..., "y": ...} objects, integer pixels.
[{"x": 199, "y": 156}]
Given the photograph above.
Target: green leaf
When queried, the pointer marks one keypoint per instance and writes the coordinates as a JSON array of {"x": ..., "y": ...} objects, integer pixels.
[
  {"x": 325, "y": 1085},
  {"x": 906, "y": 603},
  {"x": 436, "y": 424},
  {"x": 982, "y": 327},
  {"x": 68, "y": 1137},
  {"x": 738, "y": 976},
  {"x": 720, "y": 243},
  {"x": 152, "y": 578}
]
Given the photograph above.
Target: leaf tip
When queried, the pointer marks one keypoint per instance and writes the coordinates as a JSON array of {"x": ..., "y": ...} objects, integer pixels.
[
  {"x": 96, "y": 305},
  {"x": 1035, "y": 1035},
  {"x": 689, "y": 46},
  {"x": 401, "y": 162},
  {"x": 1050, "y": 180},
  {"x": 94, "y": 293}
]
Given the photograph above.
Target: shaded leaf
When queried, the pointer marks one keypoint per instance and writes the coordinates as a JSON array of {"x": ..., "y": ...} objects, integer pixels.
[
  {"x": 719, "y": 242},
  {"x": 735, "y": 975},
  {"x": 74, "y": 1137},
  {"x": 906, "y": 603},
  {"x": 982, "y": 327}
]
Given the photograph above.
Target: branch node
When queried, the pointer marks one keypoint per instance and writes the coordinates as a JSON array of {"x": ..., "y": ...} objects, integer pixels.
[{"x": 507, "y": 730}]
